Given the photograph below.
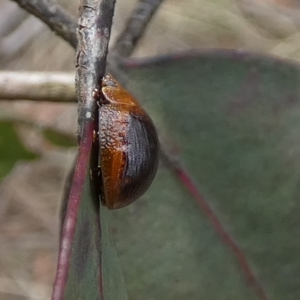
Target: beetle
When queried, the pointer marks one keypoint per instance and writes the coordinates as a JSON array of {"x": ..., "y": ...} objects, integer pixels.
[{"x": 128, "y": 146}]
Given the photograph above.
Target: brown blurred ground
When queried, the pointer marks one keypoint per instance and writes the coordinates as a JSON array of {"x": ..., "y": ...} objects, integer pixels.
[{"x": 30, "y": 195}]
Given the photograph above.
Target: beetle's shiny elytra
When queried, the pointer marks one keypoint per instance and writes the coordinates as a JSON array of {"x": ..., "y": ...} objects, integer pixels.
[{"x": 128, "y": 146}]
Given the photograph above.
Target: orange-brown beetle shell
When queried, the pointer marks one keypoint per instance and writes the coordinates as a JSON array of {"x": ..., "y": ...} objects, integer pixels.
[{"x": 128, "y": 146}]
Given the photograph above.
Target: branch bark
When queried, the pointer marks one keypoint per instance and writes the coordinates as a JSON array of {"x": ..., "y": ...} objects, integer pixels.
[
  {"x": 58, "y": 20},
  {"x": 135, "y": 27},
  {"x": 37, "y": 86},
  {"x": 63, "y": 25},
  {"x": 94, "y": 26}
]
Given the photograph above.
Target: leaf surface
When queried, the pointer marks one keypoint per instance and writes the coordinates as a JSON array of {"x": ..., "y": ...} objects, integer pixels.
[
  {"x": 234, "y": 120},
  {"x": 87, "y": 264}
]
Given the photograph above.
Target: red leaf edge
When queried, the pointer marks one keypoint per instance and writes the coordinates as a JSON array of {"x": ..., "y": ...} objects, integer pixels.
[{"x": 81, "y": 169}]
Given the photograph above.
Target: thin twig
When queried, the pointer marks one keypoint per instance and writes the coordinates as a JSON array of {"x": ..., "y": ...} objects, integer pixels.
[
  {"x": 94, "y": 26},
  {"x": 37, "y": 86},
  {"x": 59, "y": 20},
  {"x": 135, "y": 27},
  {"x": 95, "y": 20},
  {"x": 63, "y": 24}
]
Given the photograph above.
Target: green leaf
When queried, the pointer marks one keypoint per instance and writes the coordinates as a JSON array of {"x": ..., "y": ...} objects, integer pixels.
[
  {"x": 87, "y": 266},
  {"x": 235, "y": 120},
  {"x": 59, "y": 139},
  {"x": 11, "y": 149},
  {"x": 94, "y": 271}
]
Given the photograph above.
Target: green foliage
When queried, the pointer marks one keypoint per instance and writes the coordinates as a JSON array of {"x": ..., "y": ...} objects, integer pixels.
[
  {"x": 11, "y": 149},
  {"x": 59, "y": 139},
  {"x": 235, "y": 120},
  {"x": 94, "y": 270}
]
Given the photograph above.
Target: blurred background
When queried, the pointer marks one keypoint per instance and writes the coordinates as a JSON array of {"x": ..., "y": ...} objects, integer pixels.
[{"x": 31, "y": 192}]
